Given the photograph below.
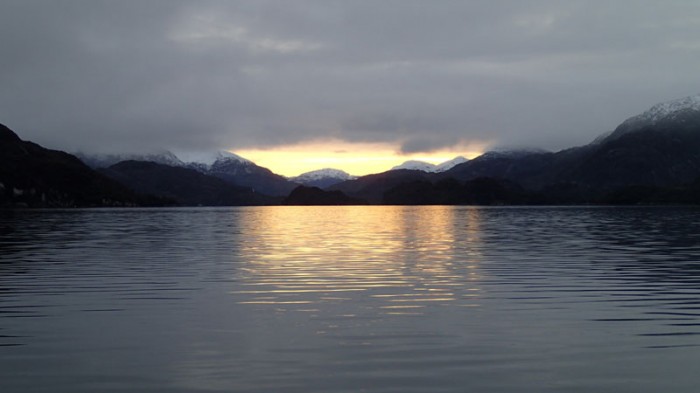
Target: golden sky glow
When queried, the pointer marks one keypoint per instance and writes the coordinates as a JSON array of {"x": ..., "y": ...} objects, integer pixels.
[{"x": 355, "y": 158}]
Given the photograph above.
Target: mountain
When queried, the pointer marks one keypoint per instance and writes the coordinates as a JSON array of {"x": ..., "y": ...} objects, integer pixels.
[
  {"x": 239, "y": 171},
  {"x": 415, "y": 165},
  {"x": 653, "y": 157},
  {"x": 247, "y": 174},
  {"x": 530, "y": 168},
  {"x": 306, "y": 196},
  {"x": 184, "y": 185},
  {"x": 203, "y": 161},
  {"x": 322, "y": 178},
  {"x": 33, "y": 176},
  {"x": 372, "y": 187},
  {"x": 656, "y": 152},
  {"x": 670, "y": 115},
  {"x": 208, "y": 158},
  {"x": 447, "y": 165},
  {"x": 658, "y": 148},
  {"x": 227, "y": 166},
  {"x": 97, "y": 161},
  {"x": 481, "y": 191}
]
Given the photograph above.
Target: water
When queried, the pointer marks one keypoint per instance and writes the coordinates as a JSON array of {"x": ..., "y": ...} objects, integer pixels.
[{"x": 350, "y": 299}]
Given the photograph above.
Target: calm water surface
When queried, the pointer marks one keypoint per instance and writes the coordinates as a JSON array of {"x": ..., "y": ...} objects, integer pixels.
[{"x": 350, "y": 299}]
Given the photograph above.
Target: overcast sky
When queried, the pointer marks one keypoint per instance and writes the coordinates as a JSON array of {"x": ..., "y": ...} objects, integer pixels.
[{"x": 134, "y": 75}]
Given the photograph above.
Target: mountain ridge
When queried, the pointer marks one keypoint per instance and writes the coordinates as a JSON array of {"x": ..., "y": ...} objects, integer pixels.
[
  {"x": 34, "y": 176},
  {"x": 417, "y": 165},
  {"x": 662, "y": 152},
  {"x": 322, "y": 178},
  {"x": 656, "y": 153},
  {"x": 185, "y": 186},
  {"x": 224, "y": 165}
]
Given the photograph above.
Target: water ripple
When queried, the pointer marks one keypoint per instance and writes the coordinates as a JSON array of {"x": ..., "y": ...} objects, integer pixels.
[{"x": 346, "y": 299}]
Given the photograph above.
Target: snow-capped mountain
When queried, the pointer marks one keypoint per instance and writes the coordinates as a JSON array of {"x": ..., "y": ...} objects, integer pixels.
[
  {"x": 209, "y": 158},
  {"x": 227, "y": 166},
  {"x": 202, "y": 161},
  {"x": 322, "y": 178},
  {"x": 214, "y": 161},
  {"x": 106, "y": 160},
  {"x": 237, "y": 170},
  {"x": 674, "y": 112},
  {"x": 447, "y": 165},
  {"x": 415, "y": 165},
  {"x": 667, "y": 109}
]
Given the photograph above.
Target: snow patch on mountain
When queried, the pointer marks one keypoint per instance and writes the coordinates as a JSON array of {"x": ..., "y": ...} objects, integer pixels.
[
  {"x": 322, "y": 174},
  {"x": 106, "y": 160},
  {"x": 416, "y": 165},
  {"x": 669, "y": 108},
  {"x": 322, "y": 178},
  {"x": 663, "y": 111},
  {"x": 668, "y": 111},
  {"x": 447, "y": 165},
  {"x": 209, "y": 158},
  {"x": 201, "y": 161}
]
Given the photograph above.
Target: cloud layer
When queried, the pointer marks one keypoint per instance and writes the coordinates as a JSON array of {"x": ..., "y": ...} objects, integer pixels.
[{"x": 128, "y": 76}]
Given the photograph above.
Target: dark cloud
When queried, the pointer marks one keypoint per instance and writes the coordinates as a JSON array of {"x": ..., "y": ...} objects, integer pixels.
[
  {"x": 124, "y": 75},
  {"x": 426, "y": 144}
]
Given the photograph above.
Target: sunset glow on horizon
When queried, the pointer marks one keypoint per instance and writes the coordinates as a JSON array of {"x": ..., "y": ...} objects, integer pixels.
[{"x": 354, "y": 158}]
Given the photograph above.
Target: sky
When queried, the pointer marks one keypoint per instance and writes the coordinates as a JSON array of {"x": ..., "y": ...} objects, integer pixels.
[{"x": 293, "y": 84}]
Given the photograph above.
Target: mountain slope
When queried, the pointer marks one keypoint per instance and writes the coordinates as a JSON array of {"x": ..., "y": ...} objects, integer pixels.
[
  {"x": 97, "y": 161},
  {"x": 208, "y": 158},
  {"x": 33, "y": 176},
  {"x": 660, "y": 148},
  {"x": 447, "y": 165},
  {"x": 666, "y": 115},
  {"x": 247, "y": 174},
  {"x": 186, "y": 186},
  {"x": 314, "y": 196},
  {"x": 227, "y": 166},
  {"x": 415, "y": 165},
  {"x": 322, "y": 178},
  {"x": 529, "y": 168},
  {"x": 657, "y": 150},
  {"x": 372, "y": 187},
  {"x": 481, "y": 191}
]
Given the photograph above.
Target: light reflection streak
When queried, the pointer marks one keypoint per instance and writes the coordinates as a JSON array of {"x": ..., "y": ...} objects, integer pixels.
[{"x": 409, "y": 257}]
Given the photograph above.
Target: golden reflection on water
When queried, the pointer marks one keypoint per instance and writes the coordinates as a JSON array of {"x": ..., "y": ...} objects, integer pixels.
[{"x": 404, "y": 258}]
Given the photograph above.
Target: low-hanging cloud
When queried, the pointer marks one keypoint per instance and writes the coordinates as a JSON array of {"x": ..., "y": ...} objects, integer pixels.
[
  {"x": 426, "y": 144},
  {"x": 153, "y": 74}
]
